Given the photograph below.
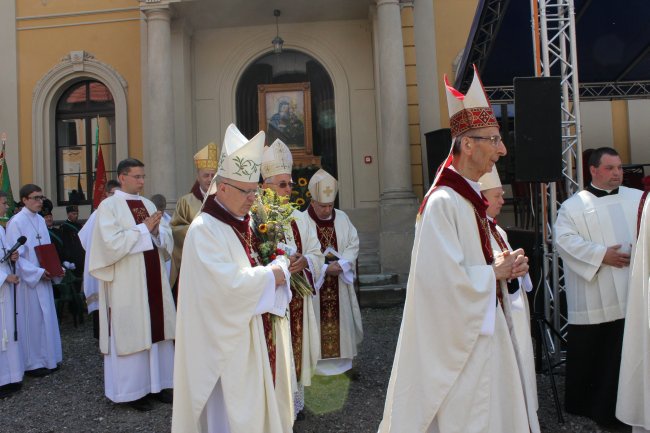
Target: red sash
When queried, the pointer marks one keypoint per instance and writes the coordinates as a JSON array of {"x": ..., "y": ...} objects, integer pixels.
[
  {"x": 243, "y": 231},
  {"x": 152, "y": 272},
  {"x": 330, "y": 326},
  {"x": 296, "y": 312}
]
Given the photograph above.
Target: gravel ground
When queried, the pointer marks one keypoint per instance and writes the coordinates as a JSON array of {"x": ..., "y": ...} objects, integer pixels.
[{"x": 72, "y": 399}]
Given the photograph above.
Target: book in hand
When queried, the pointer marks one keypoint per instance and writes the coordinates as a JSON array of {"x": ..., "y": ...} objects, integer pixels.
[{"x": 49, "y": 260}]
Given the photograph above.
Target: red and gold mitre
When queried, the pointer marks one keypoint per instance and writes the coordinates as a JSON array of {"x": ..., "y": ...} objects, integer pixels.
[{"x": 469, "y": 111}]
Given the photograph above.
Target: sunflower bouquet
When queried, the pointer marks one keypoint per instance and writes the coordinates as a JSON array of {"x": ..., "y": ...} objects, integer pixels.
[{"x": 272, "y": 216}]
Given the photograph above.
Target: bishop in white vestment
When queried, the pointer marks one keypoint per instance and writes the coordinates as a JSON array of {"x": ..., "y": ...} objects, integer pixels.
[
  {"x": 307, "y": 258},
  {"x": 634, "y": 381},
  {"x": 233, "y": 371},
  {"x": 38, "y": 326},
  {"x": 455, "y": 369},
  {"x": 336, "y": 305},
  {"x": 594, "y": 232},
  {"x": 11, "y": 361},
  {"x": 137, "y": 316}
]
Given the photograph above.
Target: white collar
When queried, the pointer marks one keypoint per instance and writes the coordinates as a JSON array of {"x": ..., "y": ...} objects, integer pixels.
[
  {"x": 28, "y": 212},
  {"x": 126, "y": 195},
  {"x": 476, "y": 186}
]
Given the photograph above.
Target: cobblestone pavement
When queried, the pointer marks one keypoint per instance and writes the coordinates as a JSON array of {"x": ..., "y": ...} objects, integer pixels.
[{"x": 72, "y": 399}]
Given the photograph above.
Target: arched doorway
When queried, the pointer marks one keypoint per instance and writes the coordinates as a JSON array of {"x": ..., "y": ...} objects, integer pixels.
[
  {"x": 291, "y": 66},
  {"x": 85, "y": 116}
]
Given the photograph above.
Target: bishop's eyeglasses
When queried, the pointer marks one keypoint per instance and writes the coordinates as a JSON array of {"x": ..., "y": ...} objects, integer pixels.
[{"x": 493, "y": 139}]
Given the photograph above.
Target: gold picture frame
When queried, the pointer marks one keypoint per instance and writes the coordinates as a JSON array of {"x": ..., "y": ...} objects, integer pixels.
[{"x": 285, "y": 113}]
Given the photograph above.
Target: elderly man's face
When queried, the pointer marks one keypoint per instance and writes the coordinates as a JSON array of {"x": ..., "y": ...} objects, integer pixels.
[
  {"x": 236, "y": 196},
  {"x": 281, "y": 184},
  {"x": 204, "y": 177},
  {"x": 73, "y": 216},
  {"x": 322, "y": 210},
  {"x": 494, "y": 197},
  {"x": 484, "y": 152},
  {"x": 49, "y": 220}
]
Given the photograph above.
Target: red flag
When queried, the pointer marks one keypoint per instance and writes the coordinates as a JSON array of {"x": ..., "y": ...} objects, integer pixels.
[{"x": 99, "y": 189}]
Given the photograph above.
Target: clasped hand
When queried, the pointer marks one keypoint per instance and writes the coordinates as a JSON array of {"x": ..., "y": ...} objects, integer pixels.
[
  {"x": 614, "y": 257},
  {"x": 510, "y": 264},
  {"x": 153, "y": 222},
  {"x": 298, "y": 262}
]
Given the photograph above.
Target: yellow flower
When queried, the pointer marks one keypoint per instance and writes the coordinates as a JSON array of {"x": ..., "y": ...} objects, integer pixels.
[
  {"x": 262, "y": 228},
  {"x": 302, "y": 181},
  {"x": 295, "y": 193},
  {"x": 300, "y": 202},
  {"x": 308, "y": 194}
]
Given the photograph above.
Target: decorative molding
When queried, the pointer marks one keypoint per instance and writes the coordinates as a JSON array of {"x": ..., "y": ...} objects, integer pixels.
[
  {"x": 74, "y": 67},
  {"x": 77, "y": 13}
]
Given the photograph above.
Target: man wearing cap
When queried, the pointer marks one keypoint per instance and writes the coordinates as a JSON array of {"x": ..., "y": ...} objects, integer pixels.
[
  {"x": 90, "y": 283},
  {"x": 38, "y": 327},
  {"x": 455, "y": 368},
  {"x": 189, "y": 205},
  {"x": 336, "y": 305},
  {"x": 233, "y": 351},
  {"x": 308, "y": 259},
  {"x": 75, "y": 253},
  {"x": 137, "y": 317},
  {"x": 594, "y": 232},
  {"x": 493, "y": 191}
]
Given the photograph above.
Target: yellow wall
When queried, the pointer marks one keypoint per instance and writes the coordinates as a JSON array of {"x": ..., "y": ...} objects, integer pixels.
[
  {"x": 112, "y": 36},
  {"x": 453, "y": 20},
  {"x": 408, "y": 35}
]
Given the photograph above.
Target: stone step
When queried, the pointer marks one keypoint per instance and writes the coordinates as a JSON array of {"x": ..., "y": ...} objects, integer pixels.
[
  {"x": 369, "y": 268},
  {"x": 369, "y": 241},
  {"x": 372, "y": 280},
  {"x": 388, "y": 295}
]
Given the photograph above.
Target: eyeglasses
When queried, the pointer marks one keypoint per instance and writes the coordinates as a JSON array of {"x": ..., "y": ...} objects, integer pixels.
[
  {"x": 137, "y": 176},
  {"x": 493, "y": 139},
  {"x": 37, "y": 197},
  {"x": 283, "y": 184},
  {"x": 247, "y": 192}
]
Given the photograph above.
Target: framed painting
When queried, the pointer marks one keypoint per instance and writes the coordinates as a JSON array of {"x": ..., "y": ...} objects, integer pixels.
[{"x": 285, "y": 113}]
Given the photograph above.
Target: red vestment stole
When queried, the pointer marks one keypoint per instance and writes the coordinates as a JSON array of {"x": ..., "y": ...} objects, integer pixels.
[
  {"x": 330, "y": 329},
  {"x": 152, "y": 273},
  {"x": 296, "y": 310},
  {"x": 502, "y": 245},
  {"x": 250, "y": 244}
]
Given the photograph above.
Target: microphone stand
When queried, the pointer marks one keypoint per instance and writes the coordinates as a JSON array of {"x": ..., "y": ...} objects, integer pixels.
[{"x": 12, "y": 265}]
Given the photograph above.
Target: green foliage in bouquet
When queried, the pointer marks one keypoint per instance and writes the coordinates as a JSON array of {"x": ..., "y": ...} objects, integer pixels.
[{"x": 272, "y": 217}]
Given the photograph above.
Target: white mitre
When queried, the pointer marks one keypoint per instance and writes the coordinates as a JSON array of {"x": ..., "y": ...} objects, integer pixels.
[
  {"x": 240, "y": 158},
  {"x": 323, "y": 187},
  {"x": 277, "y": 159},
  {"x": 490, "y": 180}
]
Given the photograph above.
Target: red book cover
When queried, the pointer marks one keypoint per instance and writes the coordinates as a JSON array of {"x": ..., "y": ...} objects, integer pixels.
[{"x": 49, "y": 259}]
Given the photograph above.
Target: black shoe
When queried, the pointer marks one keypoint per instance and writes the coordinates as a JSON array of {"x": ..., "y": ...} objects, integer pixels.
[
  {"x": 9, "y": 389},
  {"x": 164, "y": 396},
  {"x": 39, "y": 372},
  {"x": 353, "y": 374},
  {"x": 300, "y": 416},
  {"x": 141, "y": 405}
]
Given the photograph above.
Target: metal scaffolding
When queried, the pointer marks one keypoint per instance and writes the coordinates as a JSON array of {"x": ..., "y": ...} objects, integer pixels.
[{"x": 554, "y": 36}]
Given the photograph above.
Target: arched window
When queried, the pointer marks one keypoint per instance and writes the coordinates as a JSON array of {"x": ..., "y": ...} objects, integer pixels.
[{"x": 85, "y": 117}]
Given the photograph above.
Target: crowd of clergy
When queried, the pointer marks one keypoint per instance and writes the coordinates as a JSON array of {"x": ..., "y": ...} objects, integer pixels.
[{"x": 186, "y": 312}]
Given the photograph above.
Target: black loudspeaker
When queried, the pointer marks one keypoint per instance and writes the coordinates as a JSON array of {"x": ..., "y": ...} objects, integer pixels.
[
  {"x": 438, "y": 145},
  {"x": 538, "y": 129}
]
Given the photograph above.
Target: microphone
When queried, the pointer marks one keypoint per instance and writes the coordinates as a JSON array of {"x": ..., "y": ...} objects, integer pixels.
[{"x": 21, "y": 240}]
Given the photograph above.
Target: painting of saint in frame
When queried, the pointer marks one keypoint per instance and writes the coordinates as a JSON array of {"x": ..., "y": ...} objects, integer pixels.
[{"x": 285, "y": 113}]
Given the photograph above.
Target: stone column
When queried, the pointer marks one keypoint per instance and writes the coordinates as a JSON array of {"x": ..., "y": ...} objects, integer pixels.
[
  {"x": 398, "y": 204},
  {"x": 396, "y": 155},
  {"x": 160, "y": 144}
]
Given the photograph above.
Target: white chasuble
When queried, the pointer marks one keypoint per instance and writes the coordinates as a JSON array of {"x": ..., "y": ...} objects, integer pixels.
[
  {"x": 634, "y": 380},
  {"x": 586, "y": 226},
  {"x": 305, "y": 336},
  {"x": 350, "y": 328},
  {"x": 90, "y": 283},
  {"x": 521, "y": 324},
  {"x": 117, "y": 261},
  {"x": 447, "y": 376},
  {"x": 223, "y": 382},
  {"x": 11, "y": 361},
  {"x": 38, "y": 326}
]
